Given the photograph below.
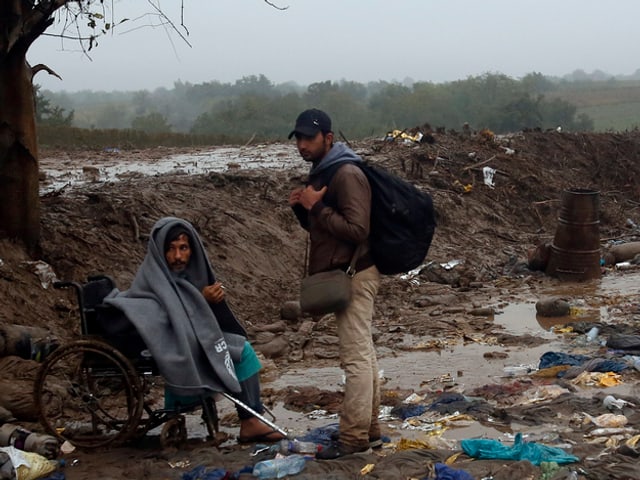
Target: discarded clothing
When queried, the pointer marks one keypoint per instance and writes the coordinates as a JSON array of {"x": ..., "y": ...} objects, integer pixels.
[
  {"x": 408, "y": 411},
  {"x": 594, "y": 365},
  {"x": 449, "y": 403},
  {"x": 624, "y": 342},
  {"x": 551, "y": 359},
  {"x": 444, "y": 472},
  {"x": 531, "y": 451},
  {"x": 201, "y": 473},
  {"x": 321, "y": 435}
]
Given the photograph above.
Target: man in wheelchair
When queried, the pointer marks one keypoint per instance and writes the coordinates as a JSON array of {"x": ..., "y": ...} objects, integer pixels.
[{"x": 180, "y": 311}]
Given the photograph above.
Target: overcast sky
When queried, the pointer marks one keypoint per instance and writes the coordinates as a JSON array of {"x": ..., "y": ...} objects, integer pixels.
[{"x": 358, "y": 40}]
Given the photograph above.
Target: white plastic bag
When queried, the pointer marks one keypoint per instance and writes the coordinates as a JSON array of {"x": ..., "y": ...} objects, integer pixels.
[{"x": 29, "y": 465}]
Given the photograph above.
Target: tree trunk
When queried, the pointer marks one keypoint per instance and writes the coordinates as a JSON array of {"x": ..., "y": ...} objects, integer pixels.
[{"x": 19, "y": 191}]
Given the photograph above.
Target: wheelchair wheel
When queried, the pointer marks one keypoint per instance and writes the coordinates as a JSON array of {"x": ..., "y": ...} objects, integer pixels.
[{"x": 89, "y": 394}]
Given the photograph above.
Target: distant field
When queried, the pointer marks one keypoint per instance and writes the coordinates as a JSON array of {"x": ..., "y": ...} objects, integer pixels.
[{"x": 613, "y": 106}]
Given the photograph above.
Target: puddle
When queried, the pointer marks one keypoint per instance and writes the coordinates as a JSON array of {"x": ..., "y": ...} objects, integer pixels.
[
  {"x": 462, "y": 365},
  {"x": 112, "y": 164},
  {"x": 466, "y": 366}
]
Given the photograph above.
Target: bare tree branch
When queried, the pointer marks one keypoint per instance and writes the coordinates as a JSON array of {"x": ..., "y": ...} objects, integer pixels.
[
  {"x": 275, "y": 6},
  {"x": 37, "y": 68}
]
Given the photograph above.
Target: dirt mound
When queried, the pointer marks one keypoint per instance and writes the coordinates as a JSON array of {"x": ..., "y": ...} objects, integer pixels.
[{"x": 257, "y": 248}]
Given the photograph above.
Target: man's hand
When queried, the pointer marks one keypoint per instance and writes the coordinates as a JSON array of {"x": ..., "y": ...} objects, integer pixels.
[
  {"x": 213, "y": 293},
  {"x": 294, "y": 196},
  {"x": 310, "y": 196}
]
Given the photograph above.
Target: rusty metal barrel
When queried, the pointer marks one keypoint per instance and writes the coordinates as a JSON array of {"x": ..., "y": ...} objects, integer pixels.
[{"x": 575, "y": 251}]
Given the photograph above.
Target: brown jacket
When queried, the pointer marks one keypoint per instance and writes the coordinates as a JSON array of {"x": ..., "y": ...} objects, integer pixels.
[{"x": 340, "y": 221}]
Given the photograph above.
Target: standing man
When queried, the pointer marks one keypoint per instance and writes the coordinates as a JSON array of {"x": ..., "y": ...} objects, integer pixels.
[{"x": 335, "y": 207}]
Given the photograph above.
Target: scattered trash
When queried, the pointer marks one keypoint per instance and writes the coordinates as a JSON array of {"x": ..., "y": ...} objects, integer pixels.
[
  {"x": 444, "y": 471},
  {"x": 521, "y": 450},
  {"x": 279, "y": 467},
  {"x": 368, "y": 468},
  {"x": 518, "y": 370},
  {"x": 44, "y": 272},
  {"x": 27, "y": 465},
  {"x": 414, "y": 398},
  {"x": 624, "y": 265},
  {"x": 488, "y": 174},
  {"x": 608, "y": 420},
  {"x": 610, "y": 402},
  {"x": 415, "y": 272},
  {"x": 508, "y": 151},
  {"x": 405, "y": 137},
  {"x": 286, "y": 447},
  {"x": 593, "y": 334},
  {"x": 26, "y": 440},
  {"x": 450, "y": 264},
  {"x": 607, "y": 379},
  {"x": 67, "y": 447}
]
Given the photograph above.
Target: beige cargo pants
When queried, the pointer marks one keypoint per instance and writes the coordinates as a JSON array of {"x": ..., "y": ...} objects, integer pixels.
[{"x": 359, "y": 417}]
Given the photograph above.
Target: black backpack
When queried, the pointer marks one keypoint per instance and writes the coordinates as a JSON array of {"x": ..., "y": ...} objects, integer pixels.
[{"x": 402, "y": 221}]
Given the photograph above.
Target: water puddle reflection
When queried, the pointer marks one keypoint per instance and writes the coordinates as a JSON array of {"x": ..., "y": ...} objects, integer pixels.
[
  {"x": 112, "y": 165},
  {"x": 470, "y": 365}
]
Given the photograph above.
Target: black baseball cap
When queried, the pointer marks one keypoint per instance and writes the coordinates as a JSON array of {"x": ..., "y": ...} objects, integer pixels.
[{"x": 310, "y": 122}]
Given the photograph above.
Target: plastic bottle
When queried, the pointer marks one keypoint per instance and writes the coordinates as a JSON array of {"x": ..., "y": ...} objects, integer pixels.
[
  {"x": 13, "y": 435},
  {"x": 279, "y": 467},
  {"x": 298, "y": 446},
  {"x": 624, "y": 265},
  {"x": 517, "y": 370},
  {"x": 592, "y": 334}
]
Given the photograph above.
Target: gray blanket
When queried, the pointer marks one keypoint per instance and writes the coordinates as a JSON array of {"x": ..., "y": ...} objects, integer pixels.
[{"x": 193, "y": 343}]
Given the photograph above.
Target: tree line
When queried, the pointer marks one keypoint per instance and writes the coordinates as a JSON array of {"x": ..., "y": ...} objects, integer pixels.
[{"x": 255, "y": 106}]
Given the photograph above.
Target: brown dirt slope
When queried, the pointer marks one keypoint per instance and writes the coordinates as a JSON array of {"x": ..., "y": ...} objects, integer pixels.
[{"x": 257, "y": 248}]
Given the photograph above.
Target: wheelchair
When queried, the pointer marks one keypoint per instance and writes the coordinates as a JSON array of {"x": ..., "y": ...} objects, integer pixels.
[{"x": 104, "y": 389}]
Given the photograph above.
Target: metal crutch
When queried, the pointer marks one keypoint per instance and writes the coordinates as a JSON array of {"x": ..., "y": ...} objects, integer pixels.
[{"x": 256, "y": 414}]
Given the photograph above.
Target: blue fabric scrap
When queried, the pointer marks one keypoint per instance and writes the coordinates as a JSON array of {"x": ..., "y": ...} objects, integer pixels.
[
  {"x": 444, "y": 472},
  {"x": 521, "y": 450},
  {"x": 553, "y": 359},
  {"x": 201, "y": 473},
  {"x": 408, "y": 411}
]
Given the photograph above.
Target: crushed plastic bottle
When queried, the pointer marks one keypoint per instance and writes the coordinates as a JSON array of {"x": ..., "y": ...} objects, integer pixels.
[
  {"x": 518, "y": 370},
  {"x": 298, "y": 446},
  {"x": 279, "y": 467}
]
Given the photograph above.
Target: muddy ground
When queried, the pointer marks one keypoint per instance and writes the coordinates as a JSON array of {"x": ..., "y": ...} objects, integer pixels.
[{"x": 257, "y": 249}]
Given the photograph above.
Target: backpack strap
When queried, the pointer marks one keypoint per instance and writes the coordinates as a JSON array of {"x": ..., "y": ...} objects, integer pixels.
[{"x": 351, "y": 270}]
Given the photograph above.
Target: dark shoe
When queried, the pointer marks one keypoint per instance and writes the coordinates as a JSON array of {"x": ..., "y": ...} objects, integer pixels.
[
  {"x": 374, "y": 442},
  {"x": 339, "y": 450}
]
